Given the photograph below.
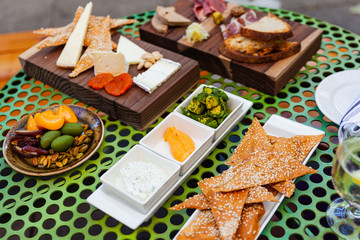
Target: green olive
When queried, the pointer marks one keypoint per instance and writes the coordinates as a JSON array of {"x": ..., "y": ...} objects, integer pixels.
[
  {"x": 62, "y": 143},
  {"x": 47, "y": 138},
  {"x": 72, "y": 129}
]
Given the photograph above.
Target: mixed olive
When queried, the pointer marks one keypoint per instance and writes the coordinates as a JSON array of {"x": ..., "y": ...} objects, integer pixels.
[{"x": 55, "y": 144}]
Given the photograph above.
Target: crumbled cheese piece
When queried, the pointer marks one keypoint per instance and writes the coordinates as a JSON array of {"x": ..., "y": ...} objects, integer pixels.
[{"x": 196, "y": 33}]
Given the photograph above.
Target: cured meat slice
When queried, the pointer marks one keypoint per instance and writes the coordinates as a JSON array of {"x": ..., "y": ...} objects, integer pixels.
[{"x": 235, "y": 24}]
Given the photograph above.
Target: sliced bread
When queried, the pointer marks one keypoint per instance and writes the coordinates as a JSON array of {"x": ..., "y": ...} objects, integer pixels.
[
  {"x": 244, "y": 49},
  {"x": 268, "y": 28}
]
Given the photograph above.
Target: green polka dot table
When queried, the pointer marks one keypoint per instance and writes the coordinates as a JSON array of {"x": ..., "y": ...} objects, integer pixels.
[{"x": 55, "y": 207}]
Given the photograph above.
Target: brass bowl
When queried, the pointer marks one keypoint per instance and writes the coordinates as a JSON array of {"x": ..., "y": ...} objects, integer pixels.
[{"x": 85, "y": 116}]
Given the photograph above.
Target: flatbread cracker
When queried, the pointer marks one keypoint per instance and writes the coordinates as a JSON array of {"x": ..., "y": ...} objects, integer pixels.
[
  {"x": 202, "y": 228},
  {"x": 254, "y": 136},
  {"x": 198, "y": 201},
  {"x": 227, "y": 208},
  {"x": 101, "y": 41},
  {"x": 260, "y": 194},
  {"x": 286, "y": 187},
  {"x": 59, "y": 36},
  {"x": 263, "y": 168},
  {"x": 292, "y": 149},
  {"x": 250, "y": 222}
]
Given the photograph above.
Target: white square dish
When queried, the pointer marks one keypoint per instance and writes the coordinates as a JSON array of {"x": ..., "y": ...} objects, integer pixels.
[
  {"x": 279, "y": 127},
  {"x": 234, "y": 104},
  {"x": 199, "y": 133},
  {"x": 114, "y": 184}
]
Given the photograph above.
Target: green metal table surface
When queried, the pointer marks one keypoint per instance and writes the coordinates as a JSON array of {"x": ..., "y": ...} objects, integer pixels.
[{"x": 56, "y": 208}]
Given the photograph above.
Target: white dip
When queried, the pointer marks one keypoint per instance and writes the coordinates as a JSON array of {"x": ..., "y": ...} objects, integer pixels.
[{"x": 140, "y": 178}]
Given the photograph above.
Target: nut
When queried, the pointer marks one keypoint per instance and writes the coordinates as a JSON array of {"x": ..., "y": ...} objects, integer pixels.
[
  {"x": 156, "y": 55},
  {"x": 146, "y": 56},
  {"x": 64, "y": 161},
  {"x": 83, "y": 148},
  {"x": 35, "y": 161},
  {"x": 148, "y": 64},
  {"x": 151, "y": 59},
  {"x": 88, "y": 133},
  {"x": 59, "y": 164},
  {"x": 141, "y": 65},
  {"x": 79, "y": 155}
]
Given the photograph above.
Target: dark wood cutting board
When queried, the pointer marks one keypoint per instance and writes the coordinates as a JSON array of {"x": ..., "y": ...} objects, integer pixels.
[
  {"x": 136, "y": 107},
  {"x": 266, "y": 77}
]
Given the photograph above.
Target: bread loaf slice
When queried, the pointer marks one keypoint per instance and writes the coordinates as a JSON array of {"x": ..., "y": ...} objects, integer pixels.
[
  {"x": 244, "y": 49},
  {"x": 268, "y": 28},
  {"x": 168, "y": 16}
]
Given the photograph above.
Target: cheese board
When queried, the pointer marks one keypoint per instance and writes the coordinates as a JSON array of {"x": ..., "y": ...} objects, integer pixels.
[
  {"x": 136, "y": 107},
  {"x": 268, "y": 77}
]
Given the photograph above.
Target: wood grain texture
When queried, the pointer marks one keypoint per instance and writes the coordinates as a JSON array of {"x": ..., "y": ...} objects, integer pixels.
[
  {"x": 136, "y": 107},
  {"x": 269, "y": 78}
]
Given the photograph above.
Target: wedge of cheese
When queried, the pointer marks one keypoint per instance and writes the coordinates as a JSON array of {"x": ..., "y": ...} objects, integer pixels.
[
  {"x": 158, "y": 73},
  {"x": 110, "y": 62},
  {"x": 131, "y": 51},
  {"x": 71, "y": 53}
]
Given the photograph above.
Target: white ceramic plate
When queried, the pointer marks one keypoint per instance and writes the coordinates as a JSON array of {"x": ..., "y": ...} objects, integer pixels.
[
  {"x": 280, "y": 127},
  {"x": 133, "y": 218},
  {"x": 336, "y": 92}
]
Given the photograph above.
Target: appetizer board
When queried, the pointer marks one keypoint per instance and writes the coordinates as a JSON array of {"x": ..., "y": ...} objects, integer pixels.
[
  {"x": 266, "y": 77},
  {"x": 136, "y": 107},
  {"x": 279, "y": 127}
]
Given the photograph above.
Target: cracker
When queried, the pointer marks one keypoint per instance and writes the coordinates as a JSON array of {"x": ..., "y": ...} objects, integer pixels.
[
  {"x": 286, "y": 187},
  {"x": 263, "y": 168},
  {"x": 202, "y": 228},
  {"x": 254, "y": 137},
  {"x": 101, "y": 41},
  {"x": 260, "y": 194},
  {"x": 59, "y": 36},
  {"x": 227, "y": 208},
  {"x": 250, "y": 221},
  {"x": 292, "y": 149},
  {"x": 198, "y": 201}
]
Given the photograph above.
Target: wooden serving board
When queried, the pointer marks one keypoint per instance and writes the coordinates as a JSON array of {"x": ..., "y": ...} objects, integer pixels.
[
  {"x": 136, "y": 107},
  {"x": 266, "y": 77}
]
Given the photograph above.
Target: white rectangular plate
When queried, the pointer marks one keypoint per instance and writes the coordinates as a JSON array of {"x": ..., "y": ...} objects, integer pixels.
[
  {"x": 279, "y": 127},
  {"x": 130, "y": 216}
]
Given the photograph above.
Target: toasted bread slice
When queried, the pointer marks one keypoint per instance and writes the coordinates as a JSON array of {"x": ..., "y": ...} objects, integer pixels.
[
  {"x": 244, "y": 49},
  {"x": 268, "y": 28},
  {"x": 168, "y": 16}
]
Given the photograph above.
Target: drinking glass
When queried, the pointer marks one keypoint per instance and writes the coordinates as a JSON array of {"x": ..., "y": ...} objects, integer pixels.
[{"x": 343, "y": 214}]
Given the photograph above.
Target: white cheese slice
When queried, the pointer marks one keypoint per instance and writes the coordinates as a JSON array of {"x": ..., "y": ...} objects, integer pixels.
[
  {"x": 156, "y": 74},
  {"x": 109, "y": 62},
  {"x": 131, "y": 51},
  {"x": 71, "y": 53}
]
